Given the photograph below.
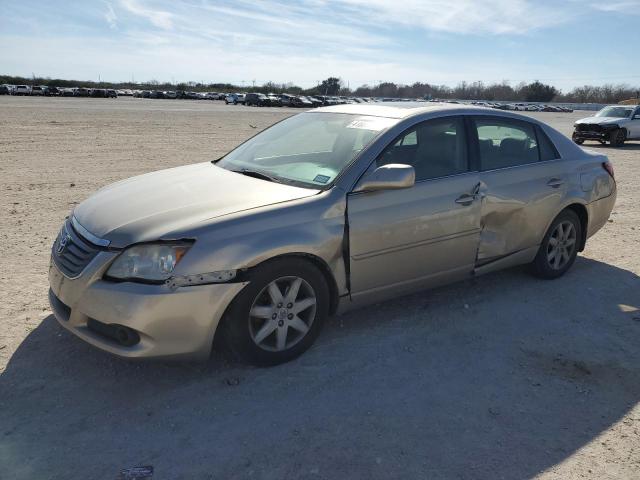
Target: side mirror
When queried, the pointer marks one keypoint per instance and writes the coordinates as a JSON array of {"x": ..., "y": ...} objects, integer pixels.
[{"x": 393, "y": 176}]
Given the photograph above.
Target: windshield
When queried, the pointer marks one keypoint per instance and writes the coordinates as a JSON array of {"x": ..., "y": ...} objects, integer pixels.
[
  {"x": 615, "y": 112},
  {"x": 307, "y": 150}
]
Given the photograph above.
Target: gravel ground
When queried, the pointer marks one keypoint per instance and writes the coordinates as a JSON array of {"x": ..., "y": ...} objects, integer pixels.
[{"x": 503, "y": 376}]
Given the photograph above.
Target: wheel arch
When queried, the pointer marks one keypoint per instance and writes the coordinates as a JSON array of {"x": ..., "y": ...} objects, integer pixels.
[
  {"x": 317, "y": 262},
  {"x": 581, "y": 211}
]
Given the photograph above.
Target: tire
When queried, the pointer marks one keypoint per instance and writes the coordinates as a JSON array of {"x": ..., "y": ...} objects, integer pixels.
[
  {"x": 577, "y": 139},
  {"x": 559, "y": 246},
  {"x": 617, "y": 137},
  {"x": 263, "y": 329}
]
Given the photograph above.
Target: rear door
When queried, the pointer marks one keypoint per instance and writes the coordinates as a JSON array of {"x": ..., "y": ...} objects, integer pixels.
[
  {"x": 523, "y": 183},
  {"x": 426, "y": 234}
]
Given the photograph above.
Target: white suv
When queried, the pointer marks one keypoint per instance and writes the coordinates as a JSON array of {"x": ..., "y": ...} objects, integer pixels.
[
  {"x": 22, "y": 90},
  {"x": 615, "y": 124}
]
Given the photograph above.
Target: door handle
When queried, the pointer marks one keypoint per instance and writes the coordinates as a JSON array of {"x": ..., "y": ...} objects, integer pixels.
[
  {"x": 555, "y": 182},
  {"x": 465, "y": 199}
]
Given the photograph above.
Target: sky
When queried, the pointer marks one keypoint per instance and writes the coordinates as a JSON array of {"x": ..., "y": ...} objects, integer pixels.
[{"x": 565, "y": 43}]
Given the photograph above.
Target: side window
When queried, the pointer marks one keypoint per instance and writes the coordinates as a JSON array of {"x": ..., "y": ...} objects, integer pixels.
[
  {"x": 547, "y": 149},
  {"x": 409, "y": 139},
  {"x": 506, "y": 143},
  {"x": 435, "y": 148}
]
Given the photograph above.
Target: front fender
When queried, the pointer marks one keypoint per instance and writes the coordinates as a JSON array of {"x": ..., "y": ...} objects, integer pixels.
[{"x": 313, "y": 226}]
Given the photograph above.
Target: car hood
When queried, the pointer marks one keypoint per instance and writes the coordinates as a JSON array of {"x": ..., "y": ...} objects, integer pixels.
[
  {"x": 600, "y": 120},
  {"x": 151, "y": 206}
]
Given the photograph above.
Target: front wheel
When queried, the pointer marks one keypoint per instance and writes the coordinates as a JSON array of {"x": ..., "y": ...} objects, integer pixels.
[
  {"x": 279, "y": 314},
  {"x": 559, "y": 247},
  {"x": 577, "y": 139},
  {"x": 617, "y": 137}
]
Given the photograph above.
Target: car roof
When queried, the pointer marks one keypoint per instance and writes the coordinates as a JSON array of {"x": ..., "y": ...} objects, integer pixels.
[
  {"x": 402, "y": 110},
  {"x": 399, "y": 109}
]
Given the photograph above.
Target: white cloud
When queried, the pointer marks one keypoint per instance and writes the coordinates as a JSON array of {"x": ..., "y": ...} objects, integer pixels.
[
  {"x": 159, "y": 18},
  {"x": 629, "y": 7},
  {"x": 110, "y": 16},
  {"x": 463, "y": 16}
]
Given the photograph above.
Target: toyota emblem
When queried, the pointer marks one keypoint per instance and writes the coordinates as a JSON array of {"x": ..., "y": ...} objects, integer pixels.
[{"x": 65, "y": 238}]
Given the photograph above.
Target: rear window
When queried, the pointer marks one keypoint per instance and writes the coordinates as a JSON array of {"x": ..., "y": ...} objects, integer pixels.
[
  {"x": 547, "y": 149},
  {"x": 506, "y": 143}
]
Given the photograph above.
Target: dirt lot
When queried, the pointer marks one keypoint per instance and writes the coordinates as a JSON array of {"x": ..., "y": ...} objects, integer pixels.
[{"x": 504, "y": 376}]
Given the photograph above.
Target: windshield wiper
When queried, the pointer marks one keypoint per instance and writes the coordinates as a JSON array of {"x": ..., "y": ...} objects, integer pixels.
[{"x": 256, "y": 174}]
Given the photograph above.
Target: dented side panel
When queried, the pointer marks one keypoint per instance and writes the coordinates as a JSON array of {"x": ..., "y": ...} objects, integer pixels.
[{"x": 517, "y": 205}]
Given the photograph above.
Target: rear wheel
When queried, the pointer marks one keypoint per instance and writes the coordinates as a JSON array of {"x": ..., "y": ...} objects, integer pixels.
[
  {"x": 279, "y": 314},
  {"x": 577, "y": 139},
  {"x": 559, "y": 247},
  {"x": 617, "y": 137}
]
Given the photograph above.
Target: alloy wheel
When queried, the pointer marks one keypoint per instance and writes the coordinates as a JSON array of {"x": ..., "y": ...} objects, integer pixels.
[
  {"x": 561, "y": 245},
  {"x": 282, "y": 314}
]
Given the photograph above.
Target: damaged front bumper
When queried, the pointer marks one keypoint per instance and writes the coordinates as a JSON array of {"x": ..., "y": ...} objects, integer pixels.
[
  {"x": 593, "y": 132},
  {"x": 163, "y": 321}
]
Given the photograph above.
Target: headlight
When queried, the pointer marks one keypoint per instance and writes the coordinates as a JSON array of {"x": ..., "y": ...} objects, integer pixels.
[{"x": 153, "y": 262}]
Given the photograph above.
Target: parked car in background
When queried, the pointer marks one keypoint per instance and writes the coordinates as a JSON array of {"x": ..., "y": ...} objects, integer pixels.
[
  {"x": 81, "y": 92},
  {"x": 295, "y": 101},
  {"x": 5, "y": 89},
  {"x": 256, "y": 249},
  {"x": 257, "y": 99},
  {"x": 235, "y": 98},
  {"x": 614, "y": 124},
  {"x": 38, "y": 90},
  {"x": 98, "y": 93},
  {"x": 286, "y": 100},
  {"x": 315, "y": 102},
  {"x": 301, "y": 102},
  {"x": 67, "y": 92},
  {"x": 52, "y": 91},
  {"x": 111, "y": 93},
  {"x": 189, "y": 96},
  {"x": 22, "y": 90},
  {"x": 274, "y": 100}
]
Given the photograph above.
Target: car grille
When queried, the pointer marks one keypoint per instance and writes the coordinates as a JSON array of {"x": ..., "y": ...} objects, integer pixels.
[
  {"x": 71, "y": 252},
  {"x": 589, "y": 127}
]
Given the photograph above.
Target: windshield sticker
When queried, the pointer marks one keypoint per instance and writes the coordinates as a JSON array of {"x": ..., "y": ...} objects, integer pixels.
[
  {"x": 371, "y": 123},
  {"x": 321, "y": 179}
]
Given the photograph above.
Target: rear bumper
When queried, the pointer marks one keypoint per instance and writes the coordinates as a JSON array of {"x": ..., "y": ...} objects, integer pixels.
[{"x": 178, "y": 323}]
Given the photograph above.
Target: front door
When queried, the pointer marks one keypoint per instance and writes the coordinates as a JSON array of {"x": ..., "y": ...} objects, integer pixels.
[
  {"x": 633, "y": 127},
  {"x": 400, "y": 240}
]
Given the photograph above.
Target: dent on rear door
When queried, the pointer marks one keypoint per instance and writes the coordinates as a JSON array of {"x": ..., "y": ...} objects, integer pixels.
[{"x": 517, "y": 206}]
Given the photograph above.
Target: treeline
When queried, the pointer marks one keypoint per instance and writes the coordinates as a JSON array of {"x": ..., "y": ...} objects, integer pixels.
[
  {"x": 527, "y": 92},
  {"x": 531, "y": 92}
]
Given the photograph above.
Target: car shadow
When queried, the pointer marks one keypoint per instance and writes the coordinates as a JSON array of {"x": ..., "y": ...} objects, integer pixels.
[{"x": 502, "y": 376}]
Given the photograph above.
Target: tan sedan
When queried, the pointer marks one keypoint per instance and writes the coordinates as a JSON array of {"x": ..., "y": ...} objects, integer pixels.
[{"x": 326, "y": 210}]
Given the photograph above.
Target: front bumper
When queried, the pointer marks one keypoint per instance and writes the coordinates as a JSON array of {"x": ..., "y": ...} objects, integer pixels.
[
  {"x": 171, "y": 323},
  {"x": 595, "y": 133}
]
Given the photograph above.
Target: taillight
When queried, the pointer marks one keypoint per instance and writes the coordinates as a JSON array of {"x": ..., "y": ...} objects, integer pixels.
[{"x": 609, "y": 168}]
